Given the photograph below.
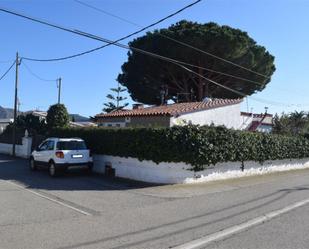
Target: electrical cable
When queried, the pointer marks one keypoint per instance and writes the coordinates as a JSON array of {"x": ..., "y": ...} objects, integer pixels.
[
  {"x": 35, "y": 75},
  {"x": 115, "y": 43},
  {"x": 7, "y": 71},
  {"x": 98, "y": 48},
  {"x": 235, "y": 91},
  {"x": 172, "y": 39},
  {"x": 179, "y": 63}
]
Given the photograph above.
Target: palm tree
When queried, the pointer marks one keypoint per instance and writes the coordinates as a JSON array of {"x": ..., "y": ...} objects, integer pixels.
[{"x": 297, "y": 121}]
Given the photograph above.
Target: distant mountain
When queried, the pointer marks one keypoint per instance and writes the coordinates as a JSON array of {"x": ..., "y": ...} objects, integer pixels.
[
  {"x": 6, "y": 112},
  {"x": 9, "y": 113},
  {"x": 79, "y": 118}
]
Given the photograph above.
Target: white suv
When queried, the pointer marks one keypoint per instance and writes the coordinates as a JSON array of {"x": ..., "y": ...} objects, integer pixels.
[{"x": 59, "y": 154}]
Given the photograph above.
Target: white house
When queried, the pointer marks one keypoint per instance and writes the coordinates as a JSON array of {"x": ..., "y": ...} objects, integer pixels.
[
  {"x": 211, "y": 111},
  {"x": 41, "y": 114},
  {"x": 4, "y": 122},
  {"x": 257, "y": 122}
]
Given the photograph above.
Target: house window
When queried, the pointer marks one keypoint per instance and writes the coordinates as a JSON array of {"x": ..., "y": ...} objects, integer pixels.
[{"x": 128, "y": 119}]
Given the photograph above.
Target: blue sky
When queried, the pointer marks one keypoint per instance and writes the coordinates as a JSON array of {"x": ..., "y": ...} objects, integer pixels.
[{"x": 279, "y": 25}]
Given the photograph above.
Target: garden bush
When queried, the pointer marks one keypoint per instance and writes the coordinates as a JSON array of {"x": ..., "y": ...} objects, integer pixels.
[{"x": 199, "y": 146}]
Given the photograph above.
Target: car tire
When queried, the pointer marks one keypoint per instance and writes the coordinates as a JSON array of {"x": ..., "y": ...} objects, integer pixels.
[
  {"x": 52, "y": 170},
  {"x": 32, "y": 164}
]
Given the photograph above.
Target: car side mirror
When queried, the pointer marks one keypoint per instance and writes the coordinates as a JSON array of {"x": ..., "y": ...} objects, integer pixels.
[{"x": 37, "y": 148}]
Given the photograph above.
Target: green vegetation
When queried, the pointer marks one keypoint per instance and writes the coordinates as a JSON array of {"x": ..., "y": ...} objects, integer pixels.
[
  {"x": 146, "y": 77},
  {"x": 198, "y": 146},
  {"x": 114, "y": 103},
  {"x": 28, "y": 122},
  {"x": 294, "y": 123},
  {"x": 57, "y": 117}
]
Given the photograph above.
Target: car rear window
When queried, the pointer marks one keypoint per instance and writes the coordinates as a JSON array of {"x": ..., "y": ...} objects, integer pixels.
[{"x": 71, "y": 145}]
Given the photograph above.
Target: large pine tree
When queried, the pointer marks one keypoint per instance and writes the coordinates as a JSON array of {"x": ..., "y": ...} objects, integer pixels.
[{"x": 144, "y": 75}]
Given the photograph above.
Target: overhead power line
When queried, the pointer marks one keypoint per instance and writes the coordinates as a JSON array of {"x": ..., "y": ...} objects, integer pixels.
[
  {"x": 226, "y": 74},
  {"x": 58, "y": 81},
  {"x": 109, "y": 42},
  {"x": 174, "y": 40},
  {"x": 37, "y": 76},
  {"x": 7, "y": 71},
  {"x": 176, "y": 62},
  {"x": 235, "y": 91},
  {"x": 107, "y": 13},
  {"x": 123, "y": 38},
  {"x": 101, "y": 47},
  {"x": 182, "y": 43}
]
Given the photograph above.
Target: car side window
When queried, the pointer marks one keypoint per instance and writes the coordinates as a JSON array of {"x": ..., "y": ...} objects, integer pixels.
[
  {"x": 50, "y": 145},
  {"x": 43, "y": 146}
]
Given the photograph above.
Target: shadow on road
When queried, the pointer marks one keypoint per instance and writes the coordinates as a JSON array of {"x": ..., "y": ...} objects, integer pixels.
[
  {"x": 15, "y": 169},
  {"x": 275, "y": 196}
]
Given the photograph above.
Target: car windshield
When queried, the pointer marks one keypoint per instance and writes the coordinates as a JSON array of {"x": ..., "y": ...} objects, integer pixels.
[{"x": 71, "y": 145}]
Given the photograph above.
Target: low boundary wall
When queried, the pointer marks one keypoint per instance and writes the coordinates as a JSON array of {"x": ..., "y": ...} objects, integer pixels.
[
  {"x": 172, "y": 173},
  {"x": 23, "y": 150}
]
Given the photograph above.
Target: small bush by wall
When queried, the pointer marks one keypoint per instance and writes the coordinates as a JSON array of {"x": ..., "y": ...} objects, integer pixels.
[{"x": 198, "y": 146}]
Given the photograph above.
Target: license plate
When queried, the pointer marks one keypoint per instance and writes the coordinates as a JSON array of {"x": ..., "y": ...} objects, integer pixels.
[{"x": 77, "y": 156}]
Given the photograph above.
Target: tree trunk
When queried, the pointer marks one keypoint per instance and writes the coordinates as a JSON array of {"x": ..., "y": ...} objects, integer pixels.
[{"x": 200, "y": 89}]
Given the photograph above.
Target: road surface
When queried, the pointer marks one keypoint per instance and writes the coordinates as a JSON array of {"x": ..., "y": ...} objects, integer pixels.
[{"x": 82, "y": 210}]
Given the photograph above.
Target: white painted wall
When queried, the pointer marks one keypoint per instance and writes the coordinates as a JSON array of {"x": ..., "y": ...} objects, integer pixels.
[
  {"x": 171, "y": 173},
  {"x": 246, "y": 122},
  {"x": 4, "y": 122},
  {"x": 23, "y": 150},
  {"x": 229, "y": 116}
]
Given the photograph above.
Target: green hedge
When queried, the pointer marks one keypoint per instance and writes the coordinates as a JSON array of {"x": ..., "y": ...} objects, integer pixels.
[{"x": 198, "y": 146}]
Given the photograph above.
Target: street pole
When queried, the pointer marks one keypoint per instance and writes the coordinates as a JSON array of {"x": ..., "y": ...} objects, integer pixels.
[
  {"x": 59, "y": 90},
  {"x": 15, "y": 104}
]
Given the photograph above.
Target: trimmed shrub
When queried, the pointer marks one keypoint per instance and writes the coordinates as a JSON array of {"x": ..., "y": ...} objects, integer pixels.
[
  {"x": 57, "y": 116},
  {"x": 199, "y": 146}
]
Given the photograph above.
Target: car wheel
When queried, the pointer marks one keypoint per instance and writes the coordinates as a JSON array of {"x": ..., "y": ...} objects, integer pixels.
[
  {"x": 52, "y": 170},
  {"x": 32, "y": 164}
]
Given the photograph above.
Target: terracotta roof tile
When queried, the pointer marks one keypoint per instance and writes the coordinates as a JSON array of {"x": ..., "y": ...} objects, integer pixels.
[{"x": 172, "y": 109}]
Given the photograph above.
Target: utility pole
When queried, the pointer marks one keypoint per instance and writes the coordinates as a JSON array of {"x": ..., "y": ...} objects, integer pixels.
[
  {"x": 17, "y": 63},
  {"x": 59, "y": 89},
  {"x": 18, "y": 105}
]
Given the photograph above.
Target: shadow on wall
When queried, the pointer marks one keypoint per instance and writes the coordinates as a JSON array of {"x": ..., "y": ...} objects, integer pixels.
[{"x": 13, "y": 169}]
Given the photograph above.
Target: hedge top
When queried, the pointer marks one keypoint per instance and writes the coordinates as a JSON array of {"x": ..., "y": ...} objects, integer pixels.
[{"x": 195, "y": 145}]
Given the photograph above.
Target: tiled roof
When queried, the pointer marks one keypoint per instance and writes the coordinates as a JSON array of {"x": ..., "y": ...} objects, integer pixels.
[{"x": 173, "y": 109}]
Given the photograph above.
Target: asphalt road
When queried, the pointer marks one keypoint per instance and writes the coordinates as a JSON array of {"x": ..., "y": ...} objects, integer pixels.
[{"x": 81, "y": 210}]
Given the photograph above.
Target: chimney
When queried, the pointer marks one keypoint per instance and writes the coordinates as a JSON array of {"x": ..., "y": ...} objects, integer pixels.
[{"x": 138, "y": 106}]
